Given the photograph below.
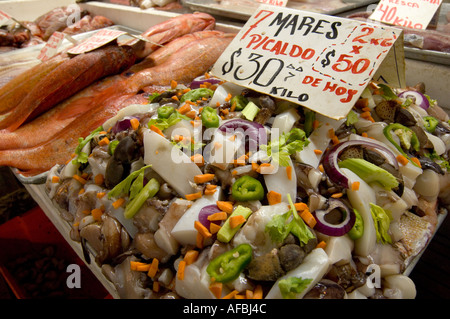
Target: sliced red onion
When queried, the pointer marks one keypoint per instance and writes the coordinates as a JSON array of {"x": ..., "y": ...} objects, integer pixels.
[
  {"x": 331, "y": 229},
  {"x": 195, "y": 84},
  {"x": 205, "y": 212},
  {"x": 330, "y": 159},
  {"x": 123, "y": 124},
  {"x": 255, "y": 133},
  {"x": 419, "y": 99}
]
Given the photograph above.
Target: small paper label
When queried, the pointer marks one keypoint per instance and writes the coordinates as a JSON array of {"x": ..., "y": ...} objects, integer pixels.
[
  {"x": 98, "y": 40},
  {"x": 415, "y": 14},
  {"x": 279, "y": 3},
  {"x": 51, "y": 47},
  {"x": 319, "y": 61}
]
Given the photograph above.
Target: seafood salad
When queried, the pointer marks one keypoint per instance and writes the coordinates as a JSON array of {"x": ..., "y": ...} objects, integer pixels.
[{"x": 213, "y": 190}]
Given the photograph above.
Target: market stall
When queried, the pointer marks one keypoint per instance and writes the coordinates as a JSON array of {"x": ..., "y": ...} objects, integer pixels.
[{"x": 104, "y": 174}]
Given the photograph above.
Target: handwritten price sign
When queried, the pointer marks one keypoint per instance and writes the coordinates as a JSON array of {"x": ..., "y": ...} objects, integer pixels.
[
  {"x": 51, "y": 47},
  {"x": 415, "y": 14},
  {"x": 321, "y": 62}
]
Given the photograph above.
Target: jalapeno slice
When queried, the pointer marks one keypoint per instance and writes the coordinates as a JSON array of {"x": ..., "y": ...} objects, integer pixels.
[
  {"x": 430, "y": 123},
  {"x": 239, "y": 102},
  {"x": 227, "y": 266},
  {"x": 165, "y": 111},
  {"x": 247, "y": 188},
  {"x": 358, "y": 228},
  {"x": 209, "y": 117}
]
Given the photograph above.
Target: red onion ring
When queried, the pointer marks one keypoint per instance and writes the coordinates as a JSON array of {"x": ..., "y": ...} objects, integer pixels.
[
  {"x": 205, "y": 212},
  {"x": 123, "y": 124},
  {"x": 330, "y": 229},
  {"x": 330, "y": 159},
  {"x": 195, "y": 84},
  {"x": 255, "y": 132},
  {"x": 419, "y": 99}
]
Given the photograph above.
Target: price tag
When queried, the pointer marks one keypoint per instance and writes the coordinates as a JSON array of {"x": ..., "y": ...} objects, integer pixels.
[
  {"x": 415, "y": 14},
  {"x": 51, "y": 47},
  {"x": 4, "y": 18},
  {"x": 279, "y": 3},
  {"x": 98, "y": 40},
  {"x": 319, "y": 61}
]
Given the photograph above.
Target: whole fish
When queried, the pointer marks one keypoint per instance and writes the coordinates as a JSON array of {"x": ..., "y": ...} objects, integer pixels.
[
  {"x": 192, "y": 60},
  {"x": 171, "y": 29},
  {"x": 67, "y": 79},
  {"x": 16, "y": 89},
  {"x": 160, "y": 55},
  {"x": 183, "y": 66}
]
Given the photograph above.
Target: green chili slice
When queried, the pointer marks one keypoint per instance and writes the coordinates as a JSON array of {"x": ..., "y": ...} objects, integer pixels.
[
  {"x": 227, "y": 266},
  {"x": 405, "y": 134},
  {"x": 209, "y": 117},
  {"x": 430, "y": 123},
  {"x": 239, "y": 101},
  {"x": 358, "y": 229},
  {"x": 165, "y": 111},
  {"x": 247, "y": 188}
]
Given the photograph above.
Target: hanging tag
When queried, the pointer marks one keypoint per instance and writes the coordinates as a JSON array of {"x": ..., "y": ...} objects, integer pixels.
[
  {"x": 51, "y": 47},
  {"x": 415, "y": 14},
  {"x": 96, "y": 41},
  {"x": 318, "y": 61}
]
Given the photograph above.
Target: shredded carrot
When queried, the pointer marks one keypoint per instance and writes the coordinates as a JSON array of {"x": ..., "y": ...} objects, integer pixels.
[
  {"x": 335, "y": 140},
  {"x": 355, "y": 186},
  {"x": 143, "y": 267},
  {"x": 199, "y": 241},
  {"x": 191, "y": 114},
  {"x": 181, "y": 268},
  {"x": 402, "y": 160},
  {"x": 237, "y": 220},
  {"x": 203, "y": 178},
  {"x": 255, "y": 166},
  {"x": 265, "y": 168},
  {"x": 134, "y": 123},
  {"x": 99, "y": 179},
  {"x": 316, "y": 124},
  {"x": 211, "y": 186},
  {"x": 79, "y": 178},
  {"x": 217, "y": 104},
  {"x": 81, "y": 191},
  {"x": 198, "y": 159},
  {"x": 231, "y": 294},
  {"x": 191, "y": 256},
  {"x": 156, "y": 130},
  {"x": 118, "y": 203},
  {"x": 193, "y": 196},
  {"x": 337, "y": 195},
  {"x": 216, "y": 289},
  {"x": 233, "y": 107},
  {"x": 214, "y": 228},
  {"x": 225, "y": 111},
  {"x": 322, "y": 245},
  {"x": 321, "y": 168},
  {"x": 258, "y": 292},
  {"x": 234, "y": 172},
  {"x": 174, "y": 97},
  {"x": 218, "y": 216},
  {"x": 226, "y": 207},
  {"x": 209, "y": 191},
  {"x": 416, "y": 160},
  {"x": 308, "y": 218},
  {"x": 85, "y": 175},
  {"x": 155, "y": 286},
  {"x": 202, "y": 229},
  {"x": 364, "y": 134},
  {"x": 153, "y": 269},
  {"x": 318, "y": 152},
  {"x": 103, "y": 141},
  {"x": 55, "y": 179},
  {"x": 248, "y": 294},
  {"x": 184, "y": 109},
  {"x": 289, "y": 172},
  {"x": 301, "y": 207},
  {"x": 273, "y": 197},
  {"x": 135, "y": 264},
  {"x": 173, "y": 84},
  {"x": 228, "y": 98},
  {"x": 101, "y": 194},
  {"x": 97, "y": 214}
]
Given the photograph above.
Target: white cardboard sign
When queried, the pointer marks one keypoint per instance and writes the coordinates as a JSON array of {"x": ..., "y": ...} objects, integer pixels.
[
  {"x": 279, "y": 3},
  {"x": 415, "y": 14},
  {"x": 319, "y": 61},
  {"x": 99, "y": 39},
  {"x": 51, "y": 47}
]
